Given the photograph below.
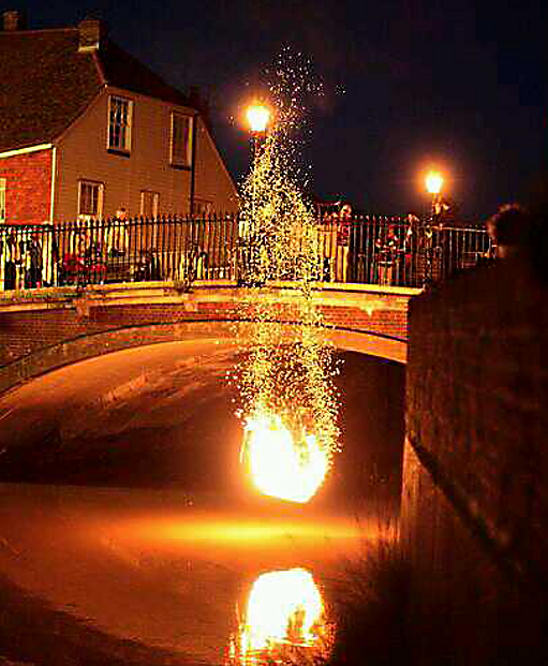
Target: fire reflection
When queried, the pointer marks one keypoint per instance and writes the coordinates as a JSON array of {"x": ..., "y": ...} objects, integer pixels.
[{"x": 284, "y": 620}]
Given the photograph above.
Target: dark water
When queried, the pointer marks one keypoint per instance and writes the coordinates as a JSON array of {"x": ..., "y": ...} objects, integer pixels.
[
  {"x": 170, "y": 570},
  {"x": 133, "y": 515}
]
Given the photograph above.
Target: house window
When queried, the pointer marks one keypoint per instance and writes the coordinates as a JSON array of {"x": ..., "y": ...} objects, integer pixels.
[
  {"x": 119, "y": 124},
  {"x": 90, "y": 199},
  {"x": 2, "y": 200},
  {"x": 181, "y": 140},
  {"x": 150, "y": 203},
  {"x": 202, "y": 207}
]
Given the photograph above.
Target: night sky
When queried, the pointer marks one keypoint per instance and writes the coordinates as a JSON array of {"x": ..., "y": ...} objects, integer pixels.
[{"x": 456, "y": 84}]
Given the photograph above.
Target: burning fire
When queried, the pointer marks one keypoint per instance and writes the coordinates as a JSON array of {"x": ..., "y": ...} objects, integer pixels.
[
  {"x": 285, "y": 614},
  {"x": 279, "y": 465}
]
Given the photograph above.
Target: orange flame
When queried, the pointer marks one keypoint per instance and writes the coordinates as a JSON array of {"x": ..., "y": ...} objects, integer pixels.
[{"x": 279, "y": 465}]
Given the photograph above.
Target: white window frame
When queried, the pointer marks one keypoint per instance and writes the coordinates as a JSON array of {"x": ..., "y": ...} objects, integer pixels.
[
  {"x": 155, "y": 202},
  {"x": 184, "y": 157},
  {"x": 124, "y": 146},
  {"x": 3, "y": 187},
  {"x": 100, "y": 199}
]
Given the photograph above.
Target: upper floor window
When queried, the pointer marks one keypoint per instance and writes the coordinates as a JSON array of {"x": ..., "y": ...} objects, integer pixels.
[
  {"x": 181, "y": 140},
  {"x": 90, "y": 199},
  {"x": 120, "y": 111},
  {"x": 2, "y": 200}
]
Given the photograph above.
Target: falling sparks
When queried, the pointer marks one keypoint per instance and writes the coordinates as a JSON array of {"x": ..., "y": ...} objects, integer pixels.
[
  {"x": 284, "y": 619},
  {"x": 285, "y": 383}
]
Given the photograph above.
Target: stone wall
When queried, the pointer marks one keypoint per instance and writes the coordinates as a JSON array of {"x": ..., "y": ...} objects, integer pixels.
[{"x": 475, "y": 502}]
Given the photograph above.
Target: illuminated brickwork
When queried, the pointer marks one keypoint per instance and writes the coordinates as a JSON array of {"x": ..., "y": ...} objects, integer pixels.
[{"x": 28, "y": 187}]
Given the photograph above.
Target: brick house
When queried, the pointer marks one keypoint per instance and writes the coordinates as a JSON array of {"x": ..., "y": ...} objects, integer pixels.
[{"x": 87, "y": 129}]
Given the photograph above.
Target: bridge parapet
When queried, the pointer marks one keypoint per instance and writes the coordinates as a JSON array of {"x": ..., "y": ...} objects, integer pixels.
[
  {"x": 475, "y": 500},
  {"x": 46, "y": 328}
]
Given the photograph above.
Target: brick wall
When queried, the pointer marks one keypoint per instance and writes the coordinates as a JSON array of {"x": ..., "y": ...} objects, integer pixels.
[
  {"x": 28, "y": 187},
  {"x": 387, "y": 322},
  {"x": 477, "y": 389},
  {"x": 23, "y": 332}
]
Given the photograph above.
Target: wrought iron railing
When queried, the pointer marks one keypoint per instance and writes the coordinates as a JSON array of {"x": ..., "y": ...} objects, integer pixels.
[{"x": 374, "y": 250}]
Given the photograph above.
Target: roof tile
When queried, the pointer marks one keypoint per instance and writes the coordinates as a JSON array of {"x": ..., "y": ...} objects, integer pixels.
[{"x": 46, "y": 84}]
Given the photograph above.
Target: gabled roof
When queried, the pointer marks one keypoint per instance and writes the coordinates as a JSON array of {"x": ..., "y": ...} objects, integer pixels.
[
  {"x": 45, "y": 83},
  {"x": 122, "y": 70}
]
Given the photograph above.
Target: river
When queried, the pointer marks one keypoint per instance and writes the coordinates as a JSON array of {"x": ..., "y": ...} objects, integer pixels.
[{"x": 175, "y": 571}]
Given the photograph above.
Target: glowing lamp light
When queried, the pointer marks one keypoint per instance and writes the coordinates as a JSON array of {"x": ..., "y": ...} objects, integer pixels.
[
  {"x": 434, "y": 182},
  {"x": 258, "y": 117}
]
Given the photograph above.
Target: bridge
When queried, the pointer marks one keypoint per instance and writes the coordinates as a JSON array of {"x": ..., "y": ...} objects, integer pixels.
[
  {"x": 44, "y": 329},
  {"x": 83, "y": 288}
]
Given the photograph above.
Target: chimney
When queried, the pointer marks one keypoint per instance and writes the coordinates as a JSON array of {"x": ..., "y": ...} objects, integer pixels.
[
  {"x": 91, "y": 33},
  {"x": 13, "y": 20}
]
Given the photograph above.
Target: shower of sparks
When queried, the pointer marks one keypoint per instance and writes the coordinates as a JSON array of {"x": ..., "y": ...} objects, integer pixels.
[{"x": 286, "y": 380}]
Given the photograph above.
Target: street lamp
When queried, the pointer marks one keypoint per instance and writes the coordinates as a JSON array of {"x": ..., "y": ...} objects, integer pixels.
[
  {"x": 258, "y": 117},
  {"x": 434, "y": 183}
]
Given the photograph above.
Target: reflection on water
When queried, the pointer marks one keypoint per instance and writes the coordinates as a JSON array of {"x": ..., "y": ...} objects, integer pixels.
[{"x": 284, "y": 619}]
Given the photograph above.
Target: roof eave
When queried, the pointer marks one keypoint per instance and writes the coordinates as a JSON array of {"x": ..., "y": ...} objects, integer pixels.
[{"x": 23, "y": 150}]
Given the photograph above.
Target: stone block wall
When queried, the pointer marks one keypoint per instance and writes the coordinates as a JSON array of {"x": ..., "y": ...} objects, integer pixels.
[{"x": 475, "y": 477}]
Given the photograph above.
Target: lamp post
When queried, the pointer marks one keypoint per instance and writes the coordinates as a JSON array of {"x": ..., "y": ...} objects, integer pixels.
[
  {"x": 258, "y": 117},
  {"x": 434, "y": 184}
]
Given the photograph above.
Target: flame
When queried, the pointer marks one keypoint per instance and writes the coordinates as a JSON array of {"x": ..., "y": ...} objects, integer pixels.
[
  {"x": 285, "y": 613},
  {"x": 280, "y": 466}
]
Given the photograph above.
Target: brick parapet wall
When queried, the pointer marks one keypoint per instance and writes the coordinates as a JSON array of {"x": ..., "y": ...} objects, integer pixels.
[
  {"x": 477, "y": 389},
  {"x": 28, "y": 187}
]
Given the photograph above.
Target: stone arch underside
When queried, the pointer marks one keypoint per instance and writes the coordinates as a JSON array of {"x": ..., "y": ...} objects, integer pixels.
[{"x": 159, "y": 411}]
